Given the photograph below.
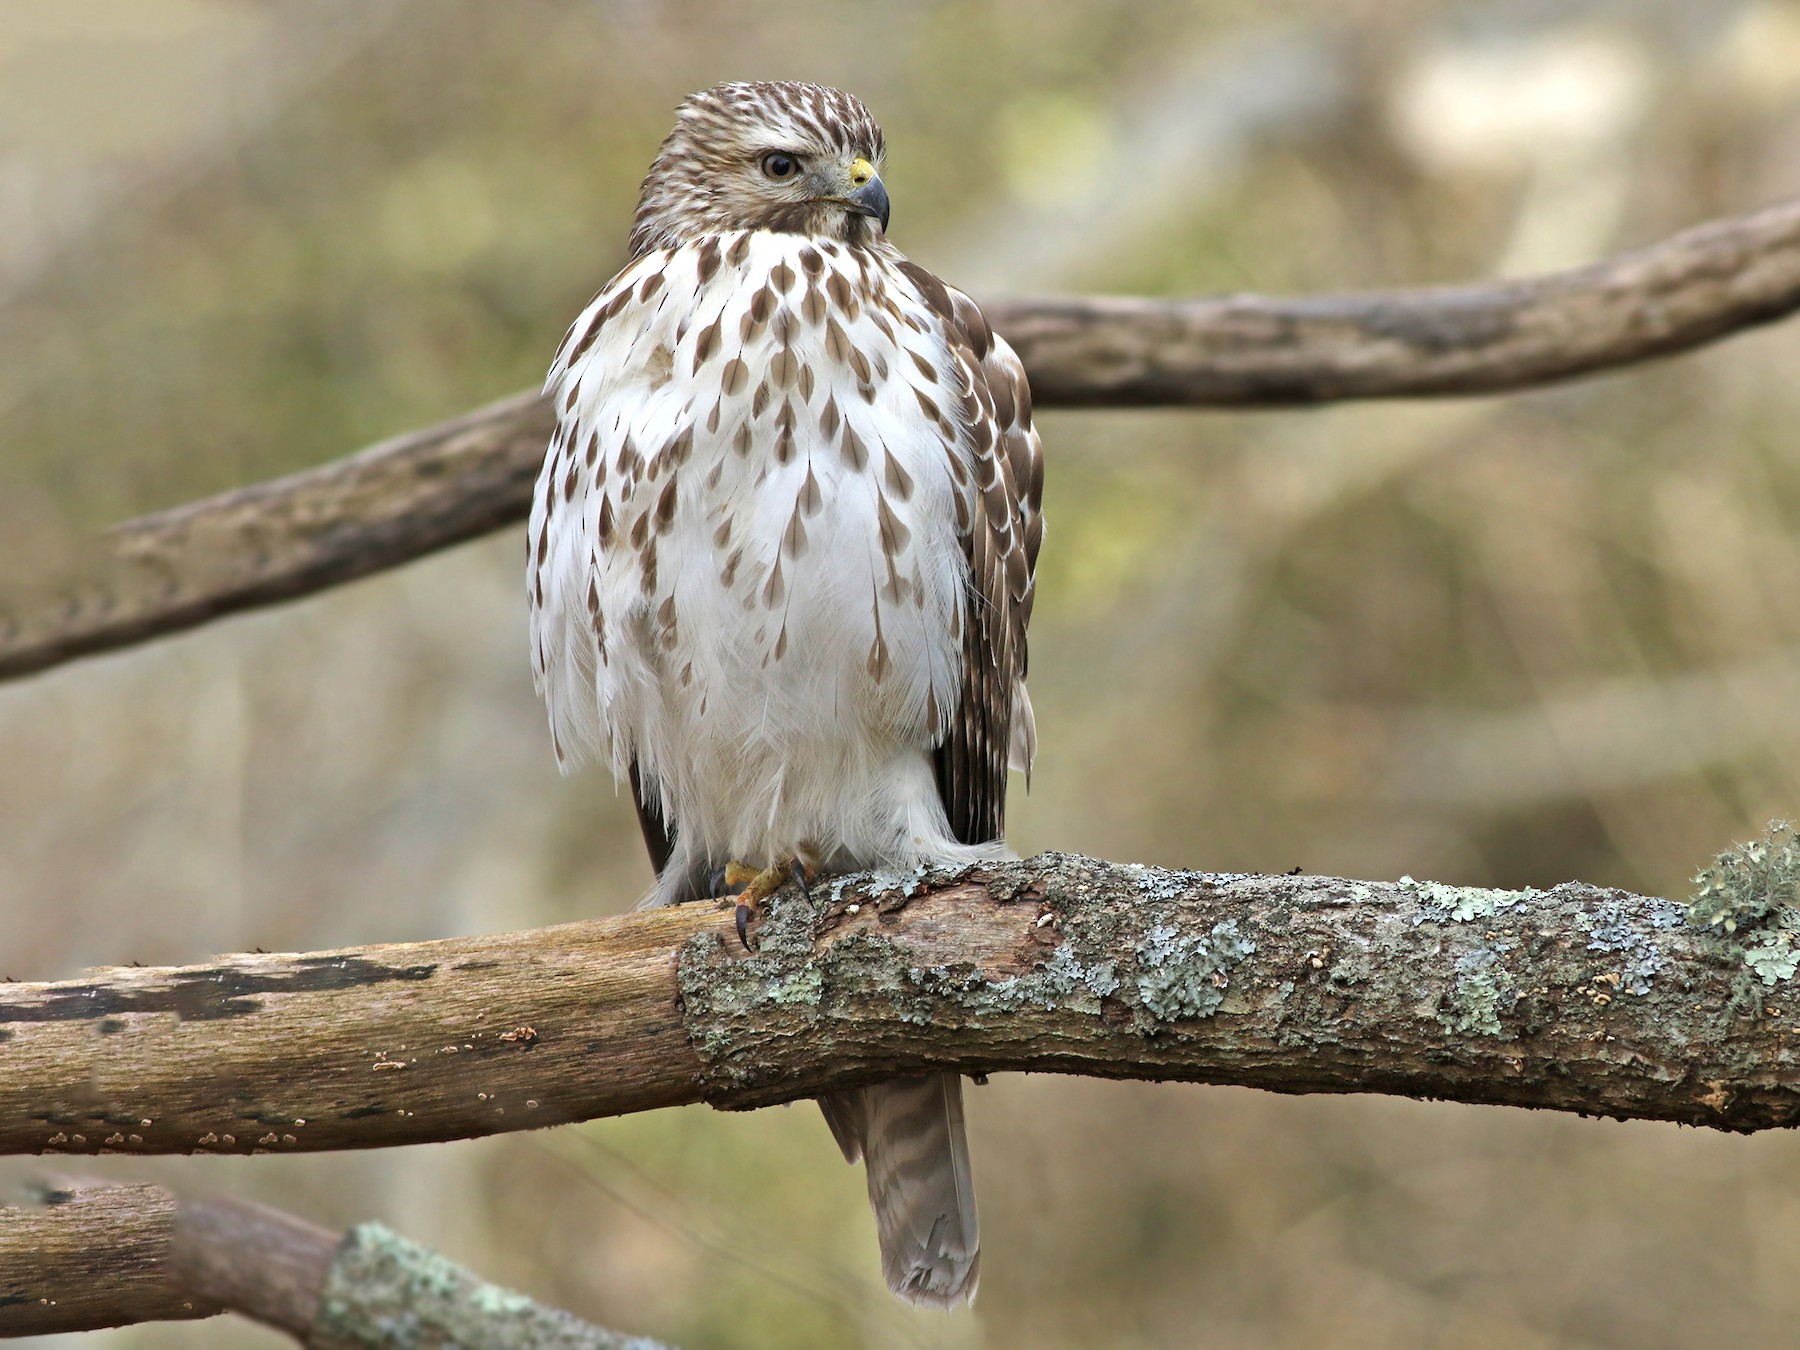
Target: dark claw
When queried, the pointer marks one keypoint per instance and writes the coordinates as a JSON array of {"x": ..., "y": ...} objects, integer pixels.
[
  {"x": 797, "y": 870},
  {"x": 743, "y": 926},
  {"x": 716, "y": 887}
]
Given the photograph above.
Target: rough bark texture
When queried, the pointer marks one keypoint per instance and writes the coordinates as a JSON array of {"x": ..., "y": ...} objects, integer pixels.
[
  {"x": 1574, "y": 999},
  {"x": 421, "y": 492},
  {"x": 361, "y": 1048},
  {"x": 92, "y": 1255},
  {"x": 384, "y": 1290}
]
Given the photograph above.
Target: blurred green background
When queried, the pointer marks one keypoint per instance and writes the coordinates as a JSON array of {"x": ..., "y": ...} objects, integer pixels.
[{"x": 1503, "y": 641}]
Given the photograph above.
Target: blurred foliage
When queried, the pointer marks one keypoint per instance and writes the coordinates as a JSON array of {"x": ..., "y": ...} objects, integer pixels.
[{"x": 1497, "y": 642}]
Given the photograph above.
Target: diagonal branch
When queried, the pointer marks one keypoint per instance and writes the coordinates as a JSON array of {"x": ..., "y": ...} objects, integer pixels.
[
  {"x": 92, "y": 1255},
  {"x": 440, "y": 486},
  {"x": 1573, "y": 999}
]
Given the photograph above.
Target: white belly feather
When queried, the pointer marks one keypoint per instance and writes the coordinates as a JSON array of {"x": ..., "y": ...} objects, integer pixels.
[{"x": 746, "y": 571}]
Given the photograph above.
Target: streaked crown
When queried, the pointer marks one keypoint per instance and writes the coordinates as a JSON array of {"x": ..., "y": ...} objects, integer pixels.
[{"x": 716, "y": 171}]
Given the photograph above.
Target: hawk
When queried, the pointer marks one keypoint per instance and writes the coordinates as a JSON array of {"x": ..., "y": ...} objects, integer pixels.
[{"x": 781, "y": 560}]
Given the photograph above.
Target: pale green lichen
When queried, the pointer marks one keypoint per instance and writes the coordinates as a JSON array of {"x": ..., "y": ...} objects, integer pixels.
[
  {"x": 1185, "y": 975},
  {"x": 1775, "y": 958},
  {"x": 1461, "y": 904},
  {"x": 1748, "y": 882},
  {"x": 490, "y": 1300},
  {"x": 1058, "y": 982},
  {"x": 1483, "y": 991},
  {"x": 385, "y": 1290},
  {"x": 1613, "y": 929},
  {"x": 906, "y": 882},
  {"x": 1160, "y": 883},
  {"x": 1065, "y": 971},
  {"x": 805, "y": 986},
  {"x": 1755, "y": 885},
  {"x": 718, "y": 987}
]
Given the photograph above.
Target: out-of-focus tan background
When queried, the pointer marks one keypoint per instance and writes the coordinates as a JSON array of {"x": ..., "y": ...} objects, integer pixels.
[{"x": 1502, "y": 641}]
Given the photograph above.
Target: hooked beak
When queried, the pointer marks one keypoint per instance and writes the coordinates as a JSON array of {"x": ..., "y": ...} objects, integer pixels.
[{"x": 870, "y": 197}]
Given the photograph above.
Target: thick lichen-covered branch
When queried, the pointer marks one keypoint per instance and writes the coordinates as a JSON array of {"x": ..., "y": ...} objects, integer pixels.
[
  {"x": 89, "y": 1255},
  {"x": 1572, "y": 998},
  {"x": 407, "y": 497}
]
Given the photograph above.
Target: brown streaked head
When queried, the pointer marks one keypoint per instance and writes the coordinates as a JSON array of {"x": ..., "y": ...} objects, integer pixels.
[{"x": 789, "y": 157}]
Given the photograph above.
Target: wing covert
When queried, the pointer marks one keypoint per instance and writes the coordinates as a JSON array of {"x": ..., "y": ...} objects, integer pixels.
[{"x": 992, "y": 728}]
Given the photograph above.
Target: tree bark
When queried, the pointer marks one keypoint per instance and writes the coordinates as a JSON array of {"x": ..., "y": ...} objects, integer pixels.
[
  {"x": 427, "y": 490},
  {"x": 1574, "y": 999},
  {"x": 1250, "y": 351},
  {"x": 251, "y": 1259},
  {"x": 92, "y": 1255}
]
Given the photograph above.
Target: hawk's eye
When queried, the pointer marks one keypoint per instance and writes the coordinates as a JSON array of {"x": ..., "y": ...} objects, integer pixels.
[{"x": 779, "y": 166}]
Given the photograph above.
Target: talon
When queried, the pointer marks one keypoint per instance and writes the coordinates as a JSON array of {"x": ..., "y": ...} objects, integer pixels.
[
  {"x": 730, "y": 881},
  {"x": 751, "y": 888}
]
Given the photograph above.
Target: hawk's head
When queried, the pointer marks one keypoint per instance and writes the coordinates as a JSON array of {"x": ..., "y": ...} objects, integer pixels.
[{"x": 798, "y": 158}]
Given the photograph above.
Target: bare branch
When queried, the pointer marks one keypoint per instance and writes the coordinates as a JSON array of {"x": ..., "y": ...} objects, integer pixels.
[
  {"x": 1572, "y": 999},
  {"x": 95, "y": 1255},
  {"x": 408, "y": 497},
  {"x": 251, "y": 1259},
  {"x": 90, "y": 1256},
  {"x": 1496, "y": 337},
  {"x": 275, "y": 541}
]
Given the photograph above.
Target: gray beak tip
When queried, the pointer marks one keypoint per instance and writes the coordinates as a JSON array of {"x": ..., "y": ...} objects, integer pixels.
[{"x": 871, "y": 199}]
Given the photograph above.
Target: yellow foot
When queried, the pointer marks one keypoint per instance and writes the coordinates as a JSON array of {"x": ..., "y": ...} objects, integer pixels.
[{"x": 751, "y": 888}]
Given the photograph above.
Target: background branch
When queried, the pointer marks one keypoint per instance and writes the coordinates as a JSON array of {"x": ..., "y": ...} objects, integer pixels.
[
  {"x": 91, "y": 1255},
  {"x": 87, "y": 1257},
  {"x": 440, "y": 486},
  {"x": 1573, "y": 999}
]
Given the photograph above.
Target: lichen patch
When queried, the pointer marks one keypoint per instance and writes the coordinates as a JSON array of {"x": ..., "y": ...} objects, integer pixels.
[
  {"x": 1185, "y": 975},
  {"x": 1461, "y": 904}
]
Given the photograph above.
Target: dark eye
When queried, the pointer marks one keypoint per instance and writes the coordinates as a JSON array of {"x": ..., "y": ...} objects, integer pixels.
[{"x": 778, "y": 166}]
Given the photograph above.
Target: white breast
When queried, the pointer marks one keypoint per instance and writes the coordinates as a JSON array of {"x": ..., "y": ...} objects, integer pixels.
[{"x": 746, "y": 575}]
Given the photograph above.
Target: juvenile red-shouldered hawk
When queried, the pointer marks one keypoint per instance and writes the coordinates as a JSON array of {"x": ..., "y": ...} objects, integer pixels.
[{"x": 781, "y": 562}]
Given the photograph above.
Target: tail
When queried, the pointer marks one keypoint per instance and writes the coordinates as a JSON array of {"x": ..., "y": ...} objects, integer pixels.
[{"x": 909, "y": 1134}]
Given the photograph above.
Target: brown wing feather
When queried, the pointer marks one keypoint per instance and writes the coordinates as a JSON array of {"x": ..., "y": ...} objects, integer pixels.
[
  {"x": 657, "y": 840},
  {"x": 1000, "y": 541}
]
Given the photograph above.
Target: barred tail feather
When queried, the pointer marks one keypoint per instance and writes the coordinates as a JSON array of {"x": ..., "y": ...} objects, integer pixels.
[{"x": 910, "y": 1136}]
